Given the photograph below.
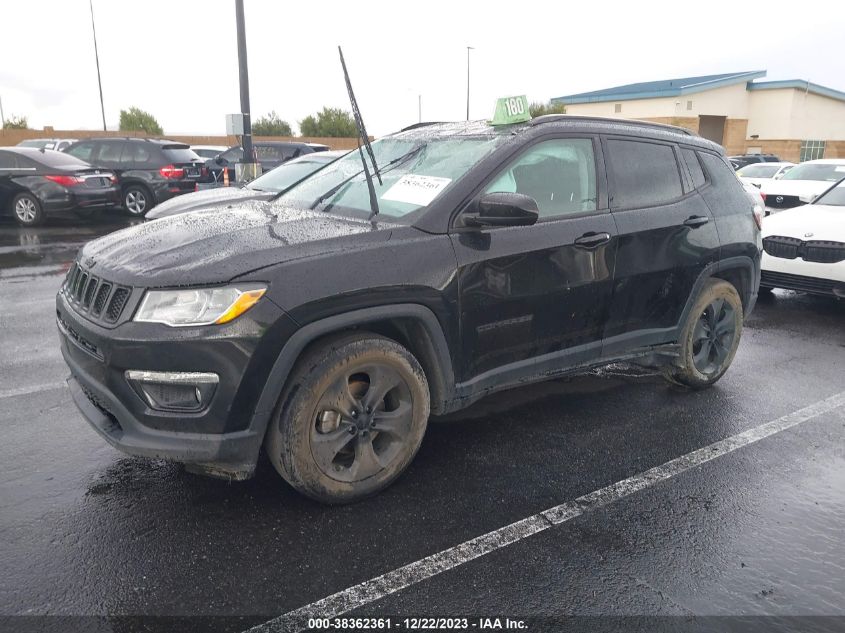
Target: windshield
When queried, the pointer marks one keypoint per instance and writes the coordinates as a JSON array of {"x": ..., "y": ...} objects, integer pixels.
[
  {"x": 415, "y": 171},
  {"x": 283, "y": 176},
  {"x": 816, "y": 171},
  {"x": 834, "y": 197},
  {"x": 758, "y": 170}
]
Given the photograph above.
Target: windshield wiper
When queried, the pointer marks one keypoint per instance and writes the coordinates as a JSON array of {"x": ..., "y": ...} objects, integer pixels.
[
  {"x": 362, "y": 137},
  {"x": 391, "y": 165}
]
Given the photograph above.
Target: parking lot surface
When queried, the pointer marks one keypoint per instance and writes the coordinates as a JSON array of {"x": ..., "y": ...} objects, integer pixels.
[{"x": 757, "y": 531}]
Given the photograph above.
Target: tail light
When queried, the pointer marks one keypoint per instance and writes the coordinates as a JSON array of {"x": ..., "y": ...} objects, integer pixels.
[
  {"x": 758, "y": 216},
  {"x": 66, "y": 181},
  {"x": 172, "y": 172},
  {"x": 763, "y": 195}
]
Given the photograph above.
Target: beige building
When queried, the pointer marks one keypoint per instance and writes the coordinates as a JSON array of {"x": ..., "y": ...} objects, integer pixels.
[{"x": 795, "y": 119}]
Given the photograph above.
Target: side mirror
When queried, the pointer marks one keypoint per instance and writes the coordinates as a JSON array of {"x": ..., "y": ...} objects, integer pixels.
[
  {"x": 501, "y": 208},
  {"x": 220, "y": 160}
]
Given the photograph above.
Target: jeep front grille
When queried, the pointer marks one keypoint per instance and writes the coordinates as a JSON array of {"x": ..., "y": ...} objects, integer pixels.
[{"x": 94, "y": 297}]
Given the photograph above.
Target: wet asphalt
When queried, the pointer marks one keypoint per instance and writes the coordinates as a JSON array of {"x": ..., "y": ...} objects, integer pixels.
[{"x": 87, "y": 531}]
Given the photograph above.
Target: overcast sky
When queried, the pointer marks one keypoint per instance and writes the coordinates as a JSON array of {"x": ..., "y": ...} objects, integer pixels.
[{"x": 178, "y": 59}]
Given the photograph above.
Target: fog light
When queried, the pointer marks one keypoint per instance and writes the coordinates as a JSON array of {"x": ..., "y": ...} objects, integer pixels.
[{"x": 172, "y": 390}]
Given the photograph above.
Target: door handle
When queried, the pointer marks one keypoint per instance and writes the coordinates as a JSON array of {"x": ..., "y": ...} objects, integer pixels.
[
  {"x": 696, "y": 221},
  {"x": 592, "y": 239}
]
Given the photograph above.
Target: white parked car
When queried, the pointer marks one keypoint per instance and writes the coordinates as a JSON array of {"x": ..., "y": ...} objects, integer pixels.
[
  {"x": 804, "y": 247},
  {"x": 801, "y": 184},
  {"x": 758, "y": 173}
]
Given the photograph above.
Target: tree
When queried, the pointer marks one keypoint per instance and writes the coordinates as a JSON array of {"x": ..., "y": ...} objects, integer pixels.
[
  {"x": 16, "y": 123},
  {"x": 271, "y": 125},
  {"x": 539, "y": 109},
  {"x": 329, "y": 122},
  {"x": 136, "y": 120}
]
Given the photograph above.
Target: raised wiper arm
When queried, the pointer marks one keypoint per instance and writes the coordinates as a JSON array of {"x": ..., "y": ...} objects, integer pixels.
[{"x": 362, "y": 138}]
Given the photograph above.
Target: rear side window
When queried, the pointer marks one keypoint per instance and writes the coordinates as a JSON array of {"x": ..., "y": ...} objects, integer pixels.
[
  {"x": 110, "y": 152},
  {"x": 644, "y": 174},
  {"x": 135, "y": 154}
]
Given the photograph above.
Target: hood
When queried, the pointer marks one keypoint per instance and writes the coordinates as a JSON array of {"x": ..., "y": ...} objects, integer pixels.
[
  {"x": 205, "y": 198},
  {"x": 809, "y": 222},
  {"x": 805, "y": 189},
  {"x": 217, "y": 244}
]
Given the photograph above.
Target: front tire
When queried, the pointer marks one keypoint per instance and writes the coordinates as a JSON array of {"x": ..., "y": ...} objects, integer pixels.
[
  {"x": 137, "y": 200},
  {"x": 710, "y": 336},
  {"x": 351, "y": 419},
  {"x": 27, "y": 210}
]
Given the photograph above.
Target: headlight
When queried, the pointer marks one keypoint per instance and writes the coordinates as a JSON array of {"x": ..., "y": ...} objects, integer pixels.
[{"x": 198, "y": 306}]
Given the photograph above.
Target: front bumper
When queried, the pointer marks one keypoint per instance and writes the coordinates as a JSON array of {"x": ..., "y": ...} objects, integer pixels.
[
  {"x": 224, "y": 439},
  {"x": 797, "y": 274}
]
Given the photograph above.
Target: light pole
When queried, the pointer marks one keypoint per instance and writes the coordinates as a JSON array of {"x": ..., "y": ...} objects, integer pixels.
[
  {"x": 97, "y": 59},
  {"x": 2, "y": 117},
  {"x": 243, "y": 72},
  {"x": 469, "y": 48}
]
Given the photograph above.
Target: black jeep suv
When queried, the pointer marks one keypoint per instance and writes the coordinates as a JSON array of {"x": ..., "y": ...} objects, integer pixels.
[
  {"x": 149, "y": 170},
  {"x": 327, "y": 333}
]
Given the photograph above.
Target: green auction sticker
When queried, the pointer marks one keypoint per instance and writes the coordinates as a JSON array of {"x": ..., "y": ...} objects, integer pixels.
[{"x": 511, "y": 110}]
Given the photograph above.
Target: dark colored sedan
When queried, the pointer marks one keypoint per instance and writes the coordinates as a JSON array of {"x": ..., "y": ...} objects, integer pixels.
[
  {"x": 37, "y": 183},
  {"x": 264, "y": 187}
]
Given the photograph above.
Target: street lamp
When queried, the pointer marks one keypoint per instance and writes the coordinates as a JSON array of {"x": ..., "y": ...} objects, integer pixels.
[{"x": 469, "y": 48}]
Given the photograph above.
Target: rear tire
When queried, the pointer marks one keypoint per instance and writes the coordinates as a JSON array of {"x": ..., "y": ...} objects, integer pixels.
[
  {"x": 351, "y": 418},
  {"x": 709, "y": 338},
  {"x": 27, "y": 209},
  {"x": 137, "y": 200}
]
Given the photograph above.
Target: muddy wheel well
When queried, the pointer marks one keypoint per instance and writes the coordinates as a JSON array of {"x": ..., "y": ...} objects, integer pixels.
[{"x": 413, "y": 336}]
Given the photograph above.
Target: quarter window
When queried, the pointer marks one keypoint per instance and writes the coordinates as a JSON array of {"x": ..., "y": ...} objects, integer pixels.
[
  {"x": 811, "y": 150},
  {"x": 720, "y": 173},
  {"x": 644, "y": 174},
  {"x": 560, "y": 175},
  {"x": 694, "y": 167}
]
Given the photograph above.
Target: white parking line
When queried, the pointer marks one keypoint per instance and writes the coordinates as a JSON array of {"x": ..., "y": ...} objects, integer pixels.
[
  {"x": 376, "y": 588},
  {"x": 22, "y": 391}
]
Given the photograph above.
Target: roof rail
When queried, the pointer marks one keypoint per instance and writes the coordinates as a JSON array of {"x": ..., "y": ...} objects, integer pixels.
[
  {"x": 421, "y": 124},
  {"x": 551, "y": 118}
]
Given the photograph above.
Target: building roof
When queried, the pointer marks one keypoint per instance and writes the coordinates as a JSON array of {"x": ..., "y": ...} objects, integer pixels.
[
  {"x": 664, "y": 88},
  {"x": 798, "y": 84}
]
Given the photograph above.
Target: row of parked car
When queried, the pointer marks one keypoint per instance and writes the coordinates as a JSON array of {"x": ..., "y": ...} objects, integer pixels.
[{"x": 47, "y": 177}]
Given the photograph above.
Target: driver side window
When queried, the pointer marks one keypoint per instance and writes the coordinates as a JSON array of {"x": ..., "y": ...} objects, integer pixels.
[{"x": 559, "y": 174}]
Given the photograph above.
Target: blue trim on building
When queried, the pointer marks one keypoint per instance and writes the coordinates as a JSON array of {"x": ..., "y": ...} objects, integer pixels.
[
  {"x": 798, "y": 84},
  {"x": 665, "y": 88}
]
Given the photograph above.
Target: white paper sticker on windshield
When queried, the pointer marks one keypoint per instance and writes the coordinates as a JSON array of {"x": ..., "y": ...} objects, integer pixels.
[
  {"x": 840, "y": 168},
  {"x": 414, "y": 189}
]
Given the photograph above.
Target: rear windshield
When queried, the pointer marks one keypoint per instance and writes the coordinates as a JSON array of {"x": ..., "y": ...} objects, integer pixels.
[
  {"x": 59, "y": 160},
  {"x": 180, "y": 155},
  {"x": 816, "y": 171},
  {"x": 758, "y": 170}
]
